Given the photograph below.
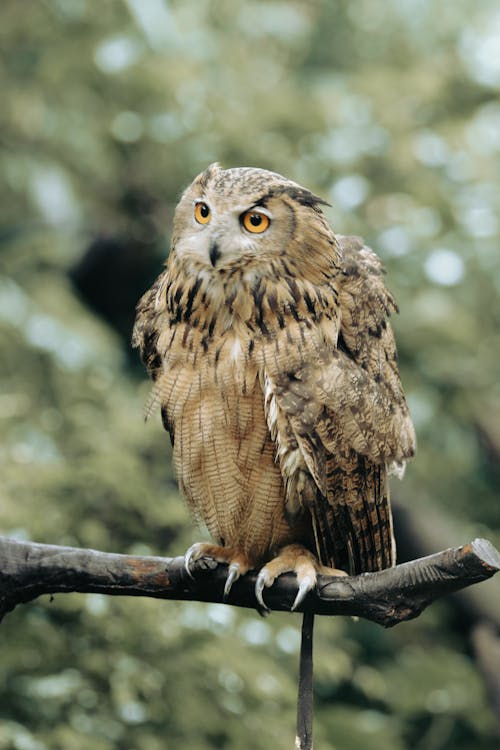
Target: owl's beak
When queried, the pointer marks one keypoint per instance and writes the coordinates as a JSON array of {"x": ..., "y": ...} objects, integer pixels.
[{"x": 214, "y": 253}]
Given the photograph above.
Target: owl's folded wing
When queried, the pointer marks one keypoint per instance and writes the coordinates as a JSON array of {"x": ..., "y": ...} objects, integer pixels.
[
  {"x": 370, "y": 364},
  {"x": 351, "y": 421},
  {"x": 345, "y": 405}
]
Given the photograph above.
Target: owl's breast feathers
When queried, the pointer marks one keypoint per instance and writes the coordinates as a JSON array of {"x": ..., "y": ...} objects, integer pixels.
[{"x": 281, "y": 393}]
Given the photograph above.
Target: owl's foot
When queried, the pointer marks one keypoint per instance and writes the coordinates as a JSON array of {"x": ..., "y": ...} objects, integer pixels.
[
  {"x": 238, "y": 563},
  {"x": 293, "y": 559}
]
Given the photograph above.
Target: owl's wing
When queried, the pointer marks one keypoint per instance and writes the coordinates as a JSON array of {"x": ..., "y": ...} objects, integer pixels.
[
  {"x": 351, "y": 421},
  {"x": 149, "y": 321},
  {"x": 152, "y": 322},
  {"x": 361, "y": 387}
]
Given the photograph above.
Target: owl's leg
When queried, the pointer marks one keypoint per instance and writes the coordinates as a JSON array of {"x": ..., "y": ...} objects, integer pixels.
[
  {"x": 237, "y": 561},
  {"x": 294, "y": 558}
]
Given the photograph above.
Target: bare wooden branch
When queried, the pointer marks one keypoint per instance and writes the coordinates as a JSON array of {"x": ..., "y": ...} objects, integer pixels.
[
  {"x": 28, "y": 570},
  {"x": 420, "y": 529}
]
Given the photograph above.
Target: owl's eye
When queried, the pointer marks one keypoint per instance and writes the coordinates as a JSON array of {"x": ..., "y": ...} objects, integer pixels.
[
  {"x": 202, "y": 213},
  {"x": 255, "y": 221}
]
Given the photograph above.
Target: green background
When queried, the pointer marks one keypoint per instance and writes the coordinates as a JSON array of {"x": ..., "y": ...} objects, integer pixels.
[{"x": 390, "y": 110}]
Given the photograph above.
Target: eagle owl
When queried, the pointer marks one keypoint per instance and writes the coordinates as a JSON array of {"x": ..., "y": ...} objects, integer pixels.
[{"x": 275, "y": 367}]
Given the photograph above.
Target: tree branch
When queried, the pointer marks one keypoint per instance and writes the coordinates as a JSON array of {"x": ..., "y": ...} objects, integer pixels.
[{"x": 28, "y": 570}]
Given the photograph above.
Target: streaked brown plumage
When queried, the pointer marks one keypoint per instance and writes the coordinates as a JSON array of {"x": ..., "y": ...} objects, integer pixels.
[{"x": 275, "y": 367}]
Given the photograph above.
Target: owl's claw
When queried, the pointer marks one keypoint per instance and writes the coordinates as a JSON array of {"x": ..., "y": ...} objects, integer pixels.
[
  {"x": 209, "y": 555},
  {"x": 263, "y": 581},
  {"x": 306, "y": 585},
  {"x": 233, "y": 574},
  {"x": 189, "y": 557},
  {"x": 294, "y": 558}
]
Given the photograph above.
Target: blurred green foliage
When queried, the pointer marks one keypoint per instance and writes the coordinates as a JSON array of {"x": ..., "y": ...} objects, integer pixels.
[{"x": 388, "y": 108}]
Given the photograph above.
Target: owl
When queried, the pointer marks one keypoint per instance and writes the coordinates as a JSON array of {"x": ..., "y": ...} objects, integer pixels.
[{"x": 267, "y": 337}]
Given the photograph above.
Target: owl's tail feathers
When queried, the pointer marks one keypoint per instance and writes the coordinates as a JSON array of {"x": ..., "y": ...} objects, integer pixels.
[{"x": 353, "y": 522}]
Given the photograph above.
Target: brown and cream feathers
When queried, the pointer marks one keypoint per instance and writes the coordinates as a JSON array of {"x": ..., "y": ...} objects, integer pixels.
[{"x": 274, "y": 363}]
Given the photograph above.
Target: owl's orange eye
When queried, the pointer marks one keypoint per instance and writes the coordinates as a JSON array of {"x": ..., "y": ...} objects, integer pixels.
[
  {"x": 202, "y": 213},
  {"x": 255, "y": 221}
]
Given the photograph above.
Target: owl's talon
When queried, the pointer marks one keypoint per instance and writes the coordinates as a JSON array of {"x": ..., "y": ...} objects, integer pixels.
[
  {"x": 234, "y": 573},
  {"x": 187, "y": 561},
  {"x": 306, "y": 585},
  {"x": 263, "y": 581},
  {"x": 191, "y": 556}
]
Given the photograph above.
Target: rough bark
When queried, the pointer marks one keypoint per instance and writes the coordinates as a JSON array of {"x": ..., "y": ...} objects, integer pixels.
[
  {"x": 421, "y": 528},
  {"x": 29, "y": 570}
]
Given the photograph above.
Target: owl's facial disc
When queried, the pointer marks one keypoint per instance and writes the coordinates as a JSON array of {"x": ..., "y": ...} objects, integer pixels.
[{"x": 223, "y": 234}]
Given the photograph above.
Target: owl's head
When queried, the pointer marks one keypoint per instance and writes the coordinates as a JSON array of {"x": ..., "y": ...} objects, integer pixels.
[{"x": 229, "y": 216}]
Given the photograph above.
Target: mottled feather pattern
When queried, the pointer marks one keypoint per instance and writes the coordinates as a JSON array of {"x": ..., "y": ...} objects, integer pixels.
[{"x": 277, "y": 376}]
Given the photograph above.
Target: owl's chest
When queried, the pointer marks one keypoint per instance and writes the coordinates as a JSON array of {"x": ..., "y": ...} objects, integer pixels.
[
  {"x": 212, "y": 390},
  {"x": 224, "y": 454}
]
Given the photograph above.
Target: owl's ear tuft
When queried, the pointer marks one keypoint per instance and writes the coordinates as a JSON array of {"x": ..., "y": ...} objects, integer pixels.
[
  {"x": 303, "y": 196},
  {"x": 204, "y": 178}
]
